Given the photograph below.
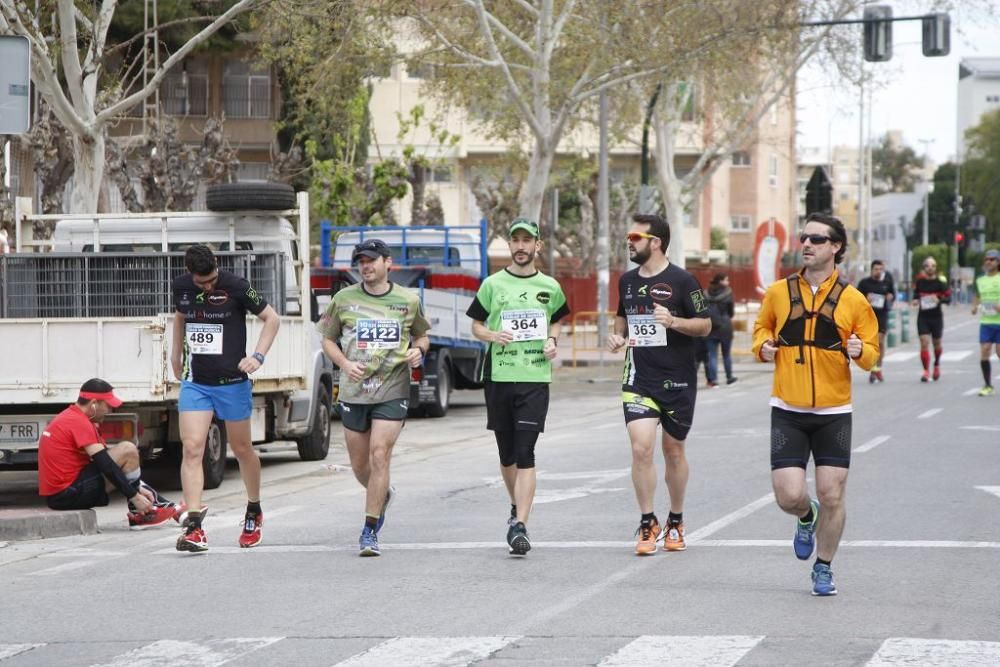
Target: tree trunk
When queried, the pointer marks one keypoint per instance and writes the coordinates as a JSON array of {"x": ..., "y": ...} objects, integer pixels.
[
  {"x": 539, "y": 168},
  {"x": 88, "y": 173}
]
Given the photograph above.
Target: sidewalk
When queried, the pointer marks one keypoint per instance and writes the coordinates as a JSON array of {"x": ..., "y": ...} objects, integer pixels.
[{"x": 24, "y": 516}]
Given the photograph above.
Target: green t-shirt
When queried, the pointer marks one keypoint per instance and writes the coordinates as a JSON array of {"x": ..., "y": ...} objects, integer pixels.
[
  {"x": 523, "y": 306},
  {"x": 376, "y": 330},
  {"x": 988, "y": 290}
]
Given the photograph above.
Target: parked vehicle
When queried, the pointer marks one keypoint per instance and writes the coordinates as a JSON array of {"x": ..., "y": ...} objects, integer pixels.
[
  {"x": 445, "y": 265},
  {"x": 98, "y": 304}
]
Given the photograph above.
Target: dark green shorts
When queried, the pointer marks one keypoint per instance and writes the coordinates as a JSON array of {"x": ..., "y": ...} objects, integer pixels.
[{"x": 358, "y": 416}]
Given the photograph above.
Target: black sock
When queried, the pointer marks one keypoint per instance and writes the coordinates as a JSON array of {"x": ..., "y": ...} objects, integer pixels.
[
  {"x": 987, "y": 372},
  {"x": 194, "y": 518},
  {"x": 808, "y": 516},
  {"x": 820, "y": 561},
  {"x": 648, "y": 518},
  {"x": 253, "y": 507},
  {"x": 674, "y": 519},
  {"x": 513, "y": 511},
  {"x": 371, "y": 521}
]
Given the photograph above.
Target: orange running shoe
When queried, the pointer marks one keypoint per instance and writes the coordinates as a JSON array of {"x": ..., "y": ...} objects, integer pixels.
[
  {"x": 648, "y": 534},
  {"x": 673, "y": 540}
]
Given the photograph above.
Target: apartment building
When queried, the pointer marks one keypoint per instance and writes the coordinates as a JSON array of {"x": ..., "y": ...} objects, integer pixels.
[{"x": 978, "y": 93}]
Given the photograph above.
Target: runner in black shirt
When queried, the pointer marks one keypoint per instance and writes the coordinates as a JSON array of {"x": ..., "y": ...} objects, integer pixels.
[
  {"x": 930, "y": 290},
  {"x": 209, "y": 356},
  {"x": 880, "y": 291},
  {"x": 660, "y": 309}
]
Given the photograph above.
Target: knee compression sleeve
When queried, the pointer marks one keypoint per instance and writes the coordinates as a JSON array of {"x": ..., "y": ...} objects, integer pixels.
[{"x": 525, "y": 443}]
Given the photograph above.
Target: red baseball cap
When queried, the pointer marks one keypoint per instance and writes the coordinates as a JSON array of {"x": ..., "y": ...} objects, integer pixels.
[{"x": 97, "y": 389}]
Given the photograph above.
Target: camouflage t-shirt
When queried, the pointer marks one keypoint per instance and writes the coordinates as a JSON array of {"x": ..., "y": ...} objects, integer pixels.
[{"x": 376, "y": 330}]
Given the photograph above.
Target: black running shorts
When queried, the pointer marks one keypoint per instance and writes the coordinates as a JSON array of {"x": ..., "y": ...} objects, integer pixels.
[
  {"x": 358, "y": 416},
  {"x": 674, "y": 409},
  {"x": 930, "y": 325},
  {"x": 794, "y": 435},
  {"x": 87, "y": 490},
  {"x": 516, "y": 406}
]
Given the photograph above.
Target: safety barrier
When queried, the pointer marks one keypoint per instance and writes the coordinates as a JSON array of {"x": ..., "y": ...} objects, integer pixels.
[{"x": 584, "y": 330}]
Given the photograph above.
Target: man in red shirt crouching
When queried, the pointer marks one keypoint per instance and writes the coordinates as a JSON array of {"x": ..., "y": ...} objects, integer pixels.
[{"x": 76, "y": 469}]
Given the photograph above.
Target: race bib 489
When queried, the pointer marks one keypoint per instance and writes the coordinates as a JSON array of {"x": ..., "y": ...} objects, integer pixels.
[{"x": 203, "y": 338}]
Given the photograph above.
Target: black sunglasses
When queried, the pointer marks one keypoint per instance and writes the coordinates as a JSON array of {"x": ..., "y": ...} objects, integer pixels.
[{"x": 815, "y": 239}]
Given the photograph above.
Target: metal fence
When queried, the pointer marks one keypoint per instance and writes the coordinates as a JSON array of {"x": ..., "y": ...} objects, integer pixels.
[{"x": 118, "y": 284}]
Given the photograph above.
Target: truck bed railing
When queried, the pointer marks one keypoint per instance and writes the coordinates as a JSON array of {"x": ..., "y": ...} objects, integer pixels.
[{"x": 118, "y": 284}]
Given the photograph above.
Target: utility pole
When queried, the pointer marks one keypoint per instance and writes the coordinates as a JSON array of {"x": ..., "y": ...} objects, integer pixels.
[
  {"x": 861, "y": 172},
  {"x": 603, "y": 213},
  {"x": 925, "y": 237}
]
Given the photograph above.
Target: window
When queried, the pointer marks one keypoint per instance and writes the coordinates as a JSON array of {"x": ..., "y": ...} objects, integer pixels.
[
  {"x": 185, "y": 93},
  {"x": 420, "y": 70},
  {"x": 844, "y": 196},
  {"x": 741, "y": 159},
  {"x": 993, "y": 99},
  {"x": 620, "y": 174},
  {"x": 892, "y": 232},
  {"x": 246, "y": 90},
  {"x": 772, "y": 171},
  {"x": 773, "y": 113},
  {"x": 253, "y": 171},
  {"x": 440, "y": 174},
  {"x": 690, "y": 112},
  {"x": 739, "y": 223}
]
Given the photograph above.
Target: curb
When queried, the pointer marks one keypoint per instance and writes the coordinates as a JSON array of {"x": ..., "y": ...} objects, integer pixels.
[{"x": 34, "y": 524}]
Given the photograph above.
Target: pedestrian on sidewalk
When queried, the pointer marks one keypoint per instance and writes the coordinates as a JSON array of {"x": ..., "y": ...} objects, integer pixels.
[
  {"x": 662, "y": 312},
  {"x": 77, "y": 469},
  {"x": 517, "y": 312},
  {"x": 811, "y": 325},
  {"x": 720, "y": 311},
  {"x": 375, "y": 332},
  {"x": 987, "y": 301},
  {"x": 209, "y": 356}
]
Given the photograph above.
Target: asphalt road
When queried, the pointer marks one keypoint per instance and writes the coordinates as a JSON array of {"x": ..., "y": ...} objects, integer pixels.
[{"x": 917, "y": 571}]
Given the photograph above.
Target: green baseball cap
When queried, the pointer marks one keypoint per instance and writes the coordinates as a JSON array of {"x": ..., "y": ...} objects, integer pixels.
[{"x": 529, "y": 226}]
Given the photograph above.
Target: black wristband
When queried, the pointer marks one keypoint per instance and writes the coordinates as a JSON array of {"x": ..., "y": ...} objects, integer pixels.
[{"x": 114, "y": 473}]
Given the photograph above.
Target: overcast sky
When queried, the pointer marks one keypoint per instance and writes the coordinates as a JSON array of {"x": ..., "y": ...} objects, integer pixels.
[{"x": 921, "y": 97}]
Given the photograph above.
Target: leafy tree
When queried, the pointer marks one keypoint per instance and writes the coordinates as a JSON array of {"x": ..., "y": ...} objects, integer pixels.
[
  {"x": 939, "y": 251},
  {"x": 894, "y": 168},
  {"x": 981, "y": 171},
  {"x": 941, "y": 219}
]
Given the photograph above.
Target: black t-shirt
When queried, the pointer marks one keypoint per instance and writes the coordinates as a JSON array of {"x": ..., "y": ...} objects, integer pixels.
[
  {"x": 880, "y": 288},
  {"x": 930, "y": 291},
  {"x": 215, "y": 327},
  {"x": 654, "y": 368}
]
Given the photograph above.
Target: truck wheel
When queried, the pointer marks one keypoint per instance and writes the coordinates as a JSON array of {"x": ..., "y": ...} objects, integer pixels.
[
  {"x": 250, "y": 196},
  {"x": 214, "y": 461},
  {"x": 442, "y": 388},
  {"x": 315, "y": 444}
]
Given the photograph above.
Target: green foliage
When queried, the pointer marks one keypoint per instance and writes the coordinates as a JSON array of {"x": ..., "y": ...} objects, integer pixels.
[
  {"x": 981, "y": 171},
  {"x": 179, "y": 21},
  {"x": 940, "y": 252},
  {"x": 941, "y": 221},
  {"x": 975, "y": 259},
  {"x": 895, "y": 168},
  {"x": 719, "y": 239}
]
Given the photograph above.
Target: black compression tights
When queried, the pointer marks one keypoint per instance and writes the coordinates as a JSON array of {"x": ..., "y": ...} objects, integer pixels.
[{"x": 517, "y": 447}]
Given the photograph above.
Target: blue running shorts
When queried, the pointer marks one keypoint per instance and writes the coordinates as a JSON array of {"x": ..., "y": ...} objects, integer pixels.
[
  {"x": 230, "y": 402},
  {"x": 989, "y": 333}
]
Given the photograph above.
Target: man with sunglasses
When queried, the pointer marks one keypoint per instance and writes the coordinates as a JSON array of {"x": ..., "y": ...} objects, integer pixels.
[
  {"x": 811, "y": 325},
  {"x": 375, "y": 332},
  {"x": 661, "y": 310},
  {"x": 209, "y": 356},
  {"x": 517, "y": 312},
  {"x": 987, "y": 300},
  {"x": 930, "y": 292},
  {"x": 880, "y": 291}
]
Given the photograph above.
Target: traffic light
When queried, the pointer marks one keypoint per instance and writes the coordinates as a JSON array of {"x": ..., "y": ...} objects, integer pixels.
[
  {"x": 959, "y": 237},
  {"x": 878, "y": 33},
  {"x": 937, "y": 34}
]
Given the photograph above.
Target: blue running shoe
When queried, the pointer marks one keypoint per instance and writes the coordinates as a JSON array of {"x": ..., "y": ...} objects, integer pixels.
[
  {"x": 805, "y": 534},
  {"x": 822, "y": 577},
  {"x": 388, "y": 499},
  {"x": 368, "y": 542}
]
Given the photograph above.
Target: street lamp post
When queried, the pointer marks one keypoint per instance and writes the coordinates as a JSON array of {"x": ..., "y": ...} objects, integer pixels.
[{"x": 924, "y": 239}]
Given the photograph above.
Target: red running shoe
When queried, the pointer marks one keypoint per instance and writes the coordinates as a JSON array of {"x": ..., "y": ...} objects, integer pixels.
[
  {"x": 937, "y": 373},
  {"x": 193, "y": 539},
  {"x": 250, "y": 537},
  {"x": 157, "y": 516}
]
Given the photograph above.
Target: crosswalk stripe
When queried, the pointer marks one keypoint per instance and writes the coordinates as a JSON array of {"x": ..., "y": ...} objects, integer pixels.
[
  {"x": 935, "y": 653},
  {"x": 10, "y": 650},
  {"x": 707, "y": 651},
  {"x": 428, "y": 651},
  {"x": 193, "y": 654},
  {"x": 955, "y": 355},
  {"x": 897, "y": 357},
  {"x": 927, "y": 414}
]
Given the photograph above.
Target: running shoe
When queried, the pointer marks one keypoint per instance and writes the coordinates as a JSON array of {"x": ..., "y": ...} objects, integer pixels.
[
  {"x": 925, "y": 377},
  {"x": 878, "y": 375},
  {"x": 673, "y": 539},
  {"x": 192, "y": 539},
  {"x": 517, "y": 539},
  {"x": 805, "y": 534},
  {"x": 368, "y": 542},
  {"x": 648, "y": 534},
  {"x": 822, "y": 577},
  {"x": 987, "y": 391},
  {"x": 731, "y": 380},
  {"x": 872, "y": 379},
  {"x": 937, "y": 373},
  {"x": 159, "y": 515},
  {"x": 250, "y": 536},
  {"x": 390, "y": 492}
]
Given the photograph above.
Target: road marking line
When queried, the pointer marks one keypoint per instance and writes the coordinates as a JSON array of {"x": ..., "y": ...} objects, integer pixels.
[
  {"x": 897, "y": 357},
  {"x": 891, "y": 544},
  {"x": 995, "y": 490},
  {"x": 429, "y": 651},
  {"x": 686, "y": 651},
  {"x": 970, "y": 392},
  {"x": 10, "y": 650},
  {"x": 929, "y": 413},
  {"x": 65, "y": 567},
  {"x": 935, "y": 653},
  {"x": 730, "y": 518},
  {"x": 198, "y": 654},
  {"x": 871, "y": 444},
  {"x": 955, "y": 355},
  {"x": 980, "y": 428}
]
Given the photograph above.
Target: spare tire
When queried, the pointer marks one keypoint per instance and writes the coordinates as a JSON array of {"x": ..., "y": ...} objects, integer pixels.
[{"x": 250, "y": 196}]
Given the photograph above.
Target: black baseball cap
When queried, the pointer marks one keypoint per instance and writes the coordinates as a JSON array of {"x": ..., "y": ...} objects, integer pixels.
[{"x": 372, "y": 248}]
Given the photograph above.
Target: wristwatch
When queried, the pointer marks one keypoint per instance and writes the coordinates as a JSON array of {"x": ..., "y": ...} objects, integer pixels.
[
  {"x": 555, "y": 341},
  {"x": 259, "y": 357}
]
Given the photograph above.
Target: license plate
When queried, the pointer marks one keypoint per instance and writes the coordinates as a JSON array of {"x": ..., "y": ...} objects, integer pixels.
[{"x": 19, "y": 432}]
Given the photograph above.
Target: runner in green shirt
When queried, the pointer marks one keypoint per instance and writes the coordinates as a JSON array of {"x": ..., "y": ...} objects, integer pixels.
[
  {"x": 988, "y": 299},
  {"x": 517, "y": 311},
  {"x": 375, "y": 332}
]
